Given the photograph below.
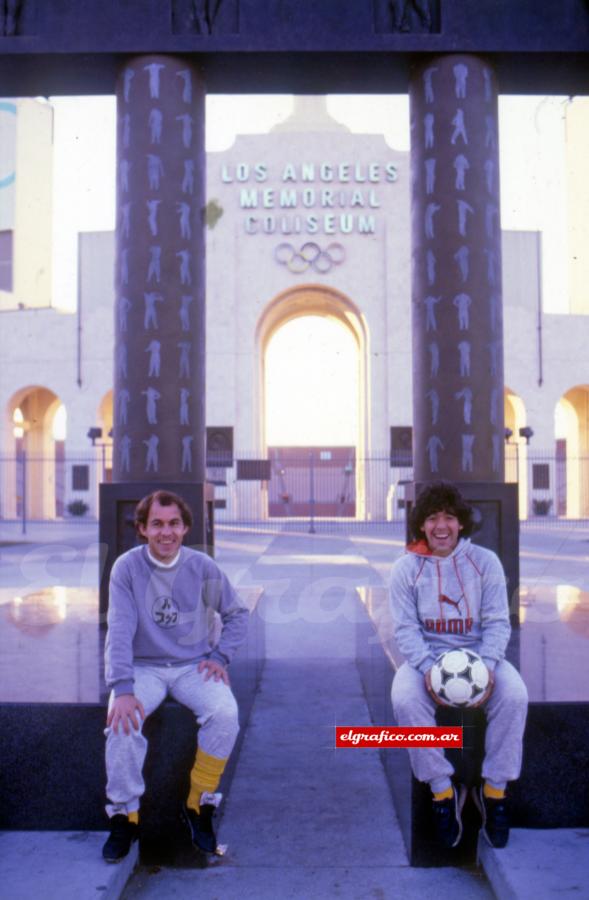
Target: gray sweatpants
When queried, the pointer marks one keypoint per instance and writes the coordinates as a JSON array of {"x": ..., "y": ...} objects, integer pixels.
[
  {"x": 506, "y": 711},
  {"x": 212, "y": 703}
]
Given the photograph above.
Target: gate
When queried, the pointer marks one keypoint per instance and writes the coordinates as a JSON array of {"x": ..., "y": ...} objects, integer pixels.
[{"x": 312, "y": 481}]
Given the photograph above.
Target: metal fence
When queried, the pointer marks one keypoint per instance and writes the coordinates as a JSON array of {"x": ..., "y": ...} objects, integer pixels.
[
  {"x": 54, "y": 487},
  {"x": 288, "y": 486}
]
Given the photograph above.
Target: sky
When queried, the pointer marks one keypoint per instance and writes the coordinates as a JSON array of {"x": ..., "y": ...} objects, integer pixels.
[{"x": 533, "y": 195}]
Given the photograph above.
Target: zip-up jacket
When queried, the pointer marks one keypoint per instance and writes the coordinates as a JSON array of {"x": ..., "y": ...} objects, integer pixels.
[
  {"x": 442, "y": 602},
  {"x": 160, "y": 616}
]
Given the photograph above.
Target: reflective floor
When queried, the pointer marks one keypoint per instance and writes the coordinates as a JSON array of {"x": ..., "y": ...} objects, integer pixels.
[
  {"x": 50, "y": 646},
  {"x": 51, "y": 643},
  {"x": 554, "y": 648}
]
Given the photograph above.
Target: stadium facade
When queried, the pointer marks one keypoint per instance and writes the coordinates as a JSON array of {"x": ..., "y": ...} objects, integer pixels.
[{"x": 307, "y": 220}]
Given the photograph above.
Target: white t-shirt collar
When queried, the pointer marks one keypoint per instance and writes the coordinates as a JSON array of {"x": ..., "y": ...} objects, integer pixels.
[{"x": 163, "y": 565}]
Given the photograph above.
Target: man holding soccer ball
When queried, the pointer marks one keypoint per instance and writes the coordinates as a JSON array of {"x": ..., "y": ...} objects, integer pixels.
[{"x": 448, "y": 593}]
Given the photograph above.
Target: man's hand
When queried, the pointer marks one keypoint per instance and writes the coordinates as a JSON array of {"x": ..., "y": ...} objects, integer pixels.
[
  {"x": 128, "y": 710},
  {"x": 429, "y": 688},
  {"x": 488, "y": 691},
  {"x": 214, "y": 668}
]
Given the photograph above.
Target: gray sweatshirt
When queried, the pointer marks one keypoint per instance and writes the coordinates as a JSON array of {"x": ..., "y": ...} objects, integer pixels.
[
  {"x": 439, "y": 603},
  {"x": 160, "y": 615}
]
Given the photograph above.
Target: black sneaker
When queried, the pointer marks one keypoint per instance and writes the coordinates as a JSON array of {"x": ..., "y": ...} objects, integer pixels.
[
  {"x": 447, "y": 819},
  {"x": 200, "y": 825},
  {"x": 122, "y": 835},
  {"x": 495, "y": 816}
]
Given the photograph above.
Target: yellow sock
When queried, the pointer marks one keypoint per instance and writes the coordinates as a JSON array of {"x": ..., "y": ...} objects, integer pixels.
[
  {"x": 493, "y": 793},
  {"x": 205, "y": 776},
  {"x": 444, "y": 795},
  {"x": 133, "y": 817}
]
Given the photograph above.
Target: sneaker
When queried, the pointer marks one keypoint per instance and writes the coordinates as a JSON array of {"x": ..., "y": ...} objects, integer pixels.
[
  {"x": 122, "y": 835},
  {"x": 200, "y": 823},
  {"x": 447, "y": 819},
  {"x": 495, "y": 816}
]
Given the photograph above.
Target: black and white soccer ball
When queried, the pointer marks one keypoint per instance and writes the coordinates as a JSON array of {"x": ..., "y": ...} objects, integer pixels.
[{"x": 459, "y": 677}]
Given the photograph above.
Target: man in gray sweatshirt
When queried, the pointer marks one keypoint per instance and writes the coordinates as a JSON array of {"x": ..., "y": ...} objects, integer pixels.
[
  {"x": 161, "y": 599},
  {"x": 447, "y": 592}
]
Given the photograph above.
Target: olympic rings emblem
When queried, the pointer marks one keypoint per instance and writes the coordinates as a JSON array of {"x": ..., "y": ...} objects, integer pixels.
[{"x": 310, "y": 256}]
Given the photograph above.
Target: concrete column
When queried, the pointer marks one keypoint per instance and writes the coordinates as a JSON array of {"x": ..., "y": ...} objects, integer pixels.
[
  {"x": 457, "y": 302},
  {"x": 159, "y": 414}
]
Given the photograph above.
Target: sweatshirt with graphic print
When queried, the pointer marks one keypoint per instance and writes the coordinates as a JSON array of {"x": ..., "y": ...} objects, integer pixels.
[
  {"x": 161, "y": 615},
  {"x": 440, "y": 603}
]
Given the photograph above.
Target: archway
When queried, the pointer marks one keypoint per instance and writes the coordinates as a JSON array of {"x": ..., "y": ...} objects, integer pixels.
[
  {"x": 572, "y": 452},
  {"x": 312, "y": 350},
  {"x": 37, "y": 481},
  {"x": 516, "y": 448},
  {"x": 105, "y": 422}
]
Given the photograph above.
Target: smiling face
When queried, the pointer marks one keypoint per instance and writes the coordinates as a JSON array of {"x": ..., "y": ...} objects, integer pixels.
[
  {"x": 164, "y": 531},
  {"x": 442, "y": 530}
]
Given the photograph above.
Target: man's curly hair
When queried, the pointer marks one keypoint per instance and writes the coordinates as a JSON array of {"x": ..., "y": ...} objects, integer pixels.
[{"x": 440, "y": 496}]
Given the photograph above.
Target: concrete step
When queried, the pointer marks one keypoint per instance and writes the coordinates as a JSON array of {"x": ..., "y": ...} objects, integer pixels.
[
  {"x": 60, "y": 865},
  {"x": 539, "y": 863}
]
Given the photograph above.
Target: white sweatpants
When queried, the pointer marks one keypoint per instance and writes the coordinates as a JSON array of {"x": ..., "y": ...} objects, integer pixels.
[
  {"x": 212, "y": 703},
  {"x": 506, "y": 711}
]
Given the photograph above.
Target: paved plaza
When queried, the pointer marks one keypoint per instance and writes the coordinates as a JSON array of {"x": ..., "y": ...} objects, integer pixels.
[{"x": 300, "y": 819}]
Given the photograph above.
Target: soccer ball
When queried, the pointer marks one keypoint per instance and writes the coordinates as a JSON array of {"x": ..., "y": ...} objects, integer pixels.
[{"x": 459, "y": 677}]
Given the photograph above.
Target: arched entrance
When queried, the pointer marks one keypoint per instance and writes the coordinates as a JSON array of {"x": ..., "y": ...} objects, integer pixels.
[
  {"x": 312, "y": 349},
  {"x": 572, "y": 452},
  {"x": 105, "y": 422},
  {"x": 38, "y": 423},
  {"x": 516, "y": 448}
]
